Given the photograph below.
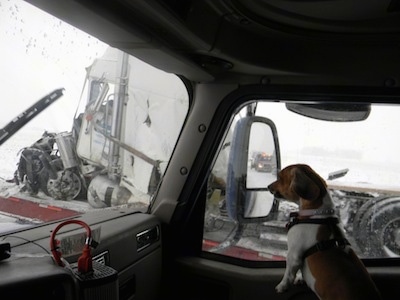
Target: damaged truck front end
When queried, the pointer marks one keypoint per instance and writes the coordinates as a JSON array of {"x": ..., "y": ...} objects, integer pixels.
[
  {"x": 50, "y": 165},
  {"x": 109, "y": 158}
]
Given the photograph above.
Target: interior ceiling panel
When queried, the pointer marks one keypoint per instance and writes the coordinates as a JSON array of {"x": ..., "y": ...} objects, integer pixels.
[
  {"x": 323, "y": 10},
  {"x": 208, "y": 39},
  {"x": 336, "y": 16}
]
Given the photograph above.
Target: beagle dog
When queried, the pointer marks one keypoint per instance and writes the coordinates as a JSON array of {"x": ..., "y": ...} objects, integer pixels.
[{"x": 316, "y": 242}]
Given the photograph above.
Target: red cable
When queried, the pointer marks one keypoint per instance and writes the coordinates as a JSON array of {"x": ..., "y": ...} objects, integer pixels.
[{"x": 85, "y": 260}]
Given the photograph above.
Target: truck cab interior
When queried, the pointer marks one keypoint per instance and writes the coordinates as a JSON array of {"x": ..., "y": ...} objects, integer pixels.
[{"x": 312, "y": 81}]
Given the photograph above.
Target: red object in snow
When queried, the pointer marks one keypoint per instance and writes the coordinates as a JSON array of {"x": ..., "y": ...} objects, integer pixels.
[{"x": 33, "y": 210}]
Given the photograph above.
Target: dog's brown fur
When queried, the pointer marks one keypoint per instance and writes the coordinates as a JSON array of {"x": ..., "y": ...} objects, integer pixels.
[{"x": 335, "y": 273}]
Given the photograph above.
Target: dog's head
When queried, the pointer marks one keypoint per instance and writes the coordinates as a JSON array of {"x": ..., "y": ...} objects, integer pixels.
[{"x": 298, "y": 181}]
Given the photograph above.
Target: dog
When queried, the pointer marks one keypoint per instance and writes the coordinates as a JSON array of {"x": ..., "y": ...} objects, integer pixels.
[{"x": 316, "y": 241}]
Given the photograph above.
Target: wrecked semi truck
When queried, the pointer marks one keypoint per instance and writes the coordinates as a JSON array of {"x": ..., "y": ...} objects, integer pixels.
[{"x": 106, "y": 158}]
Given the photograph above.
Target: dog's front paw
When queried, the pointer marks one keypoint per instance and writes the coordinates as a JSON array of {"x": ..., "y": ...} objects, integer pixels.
[
  {"x": 299, "y": 279},
  {"x": 281, "y": 287}
]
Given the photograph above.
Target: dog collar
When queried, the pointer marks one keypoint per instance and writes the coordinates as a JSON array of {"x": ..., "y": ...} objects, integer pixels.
[
  {"x": 314, "y": 212},
  {"x": 294, "y": 220}
]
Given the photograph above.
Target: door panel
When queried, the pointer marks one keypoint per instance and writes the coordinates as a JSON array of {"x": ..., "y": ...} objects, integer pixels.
[{"x": 209, "y": 279}]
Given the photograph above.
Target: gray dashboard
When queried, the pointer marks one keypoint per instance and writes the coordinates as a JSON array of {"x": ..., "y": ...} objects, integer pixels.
[{"x": 126, "y": 260}]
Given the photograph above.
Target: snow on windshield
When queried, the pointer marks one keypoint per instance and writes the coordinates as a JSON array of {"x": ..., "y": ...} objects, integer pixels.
[
  {"x": 40, "y": 54},
  {"x": 106, "y": 142}
]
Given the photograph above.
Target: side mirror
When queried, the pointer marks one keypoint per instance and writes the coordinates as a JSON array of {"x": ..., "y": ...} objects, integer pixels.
[{"x": 253, "y": 164}]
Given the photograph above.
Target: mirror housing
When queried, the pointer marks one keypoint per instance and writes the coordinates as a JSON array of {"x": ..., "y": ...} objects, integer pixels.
[
  {"x": 335, "y": 112},
  {"x": 247, "y": 197}
]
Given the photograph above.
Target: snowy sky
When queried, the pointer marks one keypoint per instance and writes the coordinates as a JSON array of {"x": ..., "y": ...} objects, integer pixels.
[{"x": 39, "y": 53}]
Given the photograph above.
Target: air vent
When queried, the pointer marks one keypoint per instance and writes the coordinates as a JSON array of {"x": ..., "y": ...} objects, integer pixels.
[
  {"x": 103, "y": 258},
  {"x": 147, "y": 237}
]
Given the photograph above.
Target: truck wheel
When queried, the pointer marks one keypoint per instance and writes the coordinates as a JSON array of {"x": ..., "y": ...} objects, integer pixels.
[
  {"x": 49, "y": 173},
  {"x": 377, "y": 227},
  {"x": 66, "y": 186},
  {"x": 359, "y": 218}
]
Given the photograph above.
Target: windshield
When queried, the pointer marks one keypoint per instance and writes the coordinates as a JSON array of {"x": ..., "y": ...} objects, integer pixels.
[{"x": 96, "y": 126}]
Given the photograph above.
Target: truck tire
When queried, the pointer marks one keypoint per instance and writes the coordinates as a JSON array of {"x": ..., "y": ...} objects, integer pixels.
[{"x": 377, "y": 228}]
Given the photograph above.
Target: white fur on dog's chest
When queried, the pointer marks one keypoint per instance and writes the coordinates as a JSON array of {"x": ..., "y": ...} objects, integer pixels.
[{"x": 302, "y": 237}]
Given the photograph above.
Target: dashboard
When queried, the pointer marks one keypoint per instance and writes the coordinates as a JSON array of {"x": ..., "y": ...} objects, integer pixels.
[{"x": 128, "y": 256}]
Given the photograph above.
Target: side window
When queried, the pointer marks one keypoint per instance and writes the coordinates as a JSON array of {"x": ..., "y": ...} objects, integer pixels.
[{"x": 355, "y": 151}]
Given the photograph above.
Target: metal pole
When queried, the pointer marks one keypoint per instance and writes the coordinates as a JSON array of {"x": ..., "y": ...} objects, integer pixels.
[{"x": 117, "y": 118}]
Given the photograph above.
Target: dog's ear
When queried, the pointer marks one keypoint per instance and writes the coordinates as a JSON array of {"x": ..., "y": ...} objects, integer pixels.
[{"x": 304, "y": 185}]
